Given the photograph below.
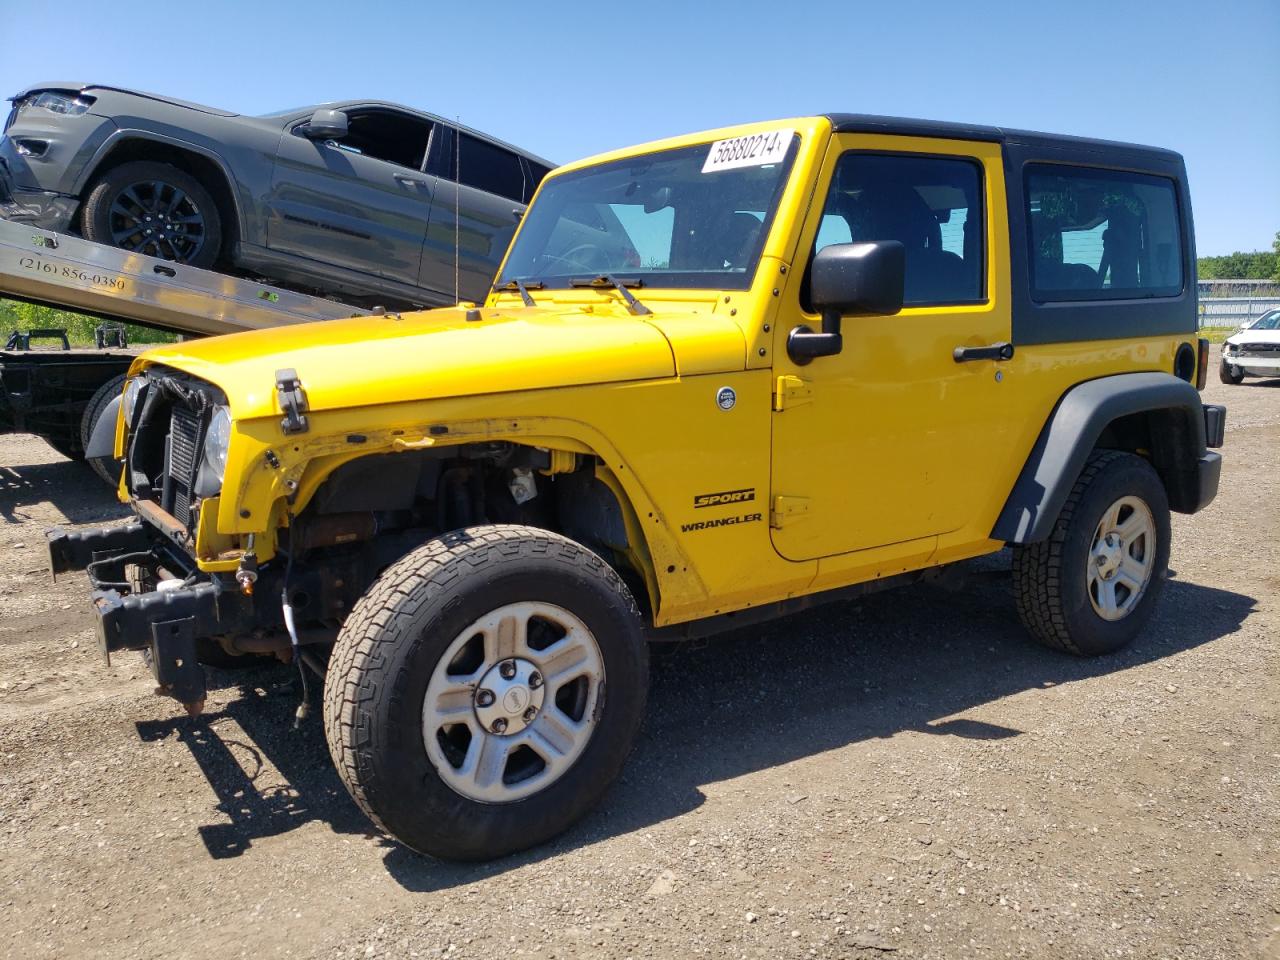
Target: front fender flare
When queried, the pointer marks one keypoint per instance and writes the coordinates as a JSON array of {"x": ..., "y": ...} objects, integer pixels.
[{"x": 1072, "y": 432}]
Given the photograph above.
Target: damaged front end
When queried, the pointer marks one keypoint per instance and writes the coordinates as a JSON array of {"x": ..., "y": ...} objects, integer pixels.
[
  {"x": 149, "y": 593},
  {"x": 172, "y": 585}
]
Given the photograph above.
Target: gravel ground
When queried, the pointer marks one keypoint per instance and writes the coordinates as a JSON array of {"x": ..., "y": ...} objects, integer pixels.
[{"x": 908, "y": 775}]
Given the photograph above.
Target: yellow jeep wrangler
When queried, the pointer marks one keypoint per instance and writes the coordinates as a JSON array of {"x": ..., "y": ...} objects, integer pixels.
[{"x": 718, "y": 378}]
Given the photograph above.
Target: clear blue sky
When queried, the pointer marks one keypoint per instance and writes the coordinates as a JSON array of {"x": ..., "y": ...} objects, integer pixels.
[{"x": 569, "y": 79}]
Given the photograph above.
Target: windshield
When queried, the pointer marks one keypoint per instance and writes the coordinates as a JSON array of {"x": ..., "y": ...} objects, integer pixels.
[
  {"x": 690, "y": 217},
  {"x": 1268, "y": 321}
]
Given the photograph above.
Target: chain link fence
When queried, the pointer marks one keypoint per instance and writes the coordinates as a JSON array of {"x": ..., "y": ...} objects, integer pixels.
[{"x": 1230, "y": 303}]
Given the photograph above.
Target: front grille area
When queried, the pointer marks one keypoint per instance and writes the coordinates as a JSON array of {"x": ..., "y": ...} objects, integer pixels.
[
  {"x": 166, "y": 441},
  {"x": 1261, "y": 349},
  {"x": 184, "y": 460}
]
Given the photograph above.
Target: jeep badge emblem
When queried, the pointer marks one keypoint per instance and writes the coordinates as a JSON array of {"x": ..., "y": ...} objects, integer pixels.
[{"x": 726, "y": 398}]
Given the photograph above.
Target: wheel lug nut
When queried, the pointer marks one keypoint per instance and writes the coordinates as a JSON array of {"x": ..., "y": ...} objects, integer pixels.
[
  {"x": 530, "y": 714},
  {"x": 507, "y": 669},
  {"x": 535, "y": 680},
  {"x": 500, "y": 725},
  {"x": 484, "y": 698}
]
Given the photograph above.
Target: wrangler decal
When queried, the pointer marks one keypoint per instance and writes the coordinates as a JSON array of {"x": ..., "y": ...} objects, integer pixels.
[
  {"x": 720, "y": 522},
  {"x": 721, "y": 499}
]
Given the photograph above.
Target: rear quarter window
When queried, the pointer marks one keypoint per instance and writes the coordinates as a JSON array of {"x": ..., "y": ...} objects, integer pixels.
[
  {"x": 488, "y": 167},
  {"x": 1099, "y": 234}
]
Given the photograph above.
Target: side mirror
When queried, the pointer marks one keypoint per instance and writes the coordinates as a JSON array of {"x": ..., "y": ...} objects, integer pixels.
[
  {"x": 326, "y": 125},
  {"x": 849, "y": 278}
]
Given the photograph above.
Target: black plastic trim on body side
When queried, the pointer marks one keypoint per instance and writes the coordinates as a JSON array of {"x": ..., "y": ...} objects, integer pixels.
[
  {"x": 102, "y": 442},
  {"x": 1073, "y": 431}
]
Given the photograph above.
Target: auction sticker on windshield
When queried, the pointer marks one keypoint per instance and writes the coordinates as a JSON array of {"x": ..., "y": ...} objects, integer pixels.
[{"x": 756, "y": 150}]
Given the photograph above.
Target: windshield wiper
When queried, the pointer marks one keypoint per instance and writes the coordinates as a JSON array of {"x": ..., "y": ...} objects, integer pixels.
[
  {"x": 522, "y": 287},
  {"x": 619, "y": 284}
]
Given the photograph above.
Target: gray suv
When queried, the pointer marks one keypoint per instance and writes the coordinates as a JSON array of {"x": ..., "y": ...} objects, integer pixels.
[{"x": 365, "y": 200}]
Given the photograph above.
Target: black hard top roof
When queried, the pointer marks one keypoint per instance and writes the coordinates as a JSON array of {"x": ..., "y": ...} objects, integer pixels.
[{"x": 905, "y": 126}]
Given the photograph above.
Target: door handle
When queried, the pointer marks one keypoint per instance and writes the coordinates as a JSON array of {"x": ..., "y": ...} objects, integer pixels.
[
  {"x": 996, "y": 351},
  {"x": 405, "y": 178}
]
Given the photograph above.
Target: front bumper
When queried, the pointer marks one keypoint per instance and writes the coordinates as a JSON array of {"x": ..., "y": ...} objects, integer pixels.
[
  {"x": 40, "y": 208},
  {"x": 166, "y": 624},
  {"x": 1252, "y": 365}
]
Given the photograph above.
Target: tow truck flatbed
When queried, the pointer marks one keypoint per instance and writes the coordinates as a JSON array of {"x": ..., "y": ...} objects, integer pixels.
[{"x": 49, "y": 392}]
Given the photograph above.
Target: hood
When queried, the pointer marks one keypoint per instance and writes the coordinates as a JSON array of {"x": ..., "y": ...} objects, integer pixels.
[
  {"x": 433, "y": 354},
  {"x": 1254, "y": 335},
  {"x": 81, "y": 87}
]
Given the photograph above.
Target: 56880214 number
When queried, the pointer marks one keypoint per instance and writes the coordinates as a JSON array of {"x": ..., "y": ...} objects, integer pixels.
[{"x": 757, "y": 149}]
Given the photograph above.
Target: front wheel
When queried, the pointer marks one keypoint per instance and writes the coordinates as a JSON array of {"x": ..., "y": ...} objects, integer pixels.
[
  {"x": 1091, "y": 586},
  {"x": 486, "y": 690},
  {"x": 1228, "y": 373},
  {"x": 155, "y": 209}
]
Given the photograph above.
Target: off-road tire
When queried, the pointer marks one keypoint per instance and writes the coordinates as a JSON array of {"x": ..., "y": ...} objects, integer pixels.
[
  {"x": 390, "y": 645},
  {"x": 1226, "y": 376},
  {"x": 95, "y": 222},
  {"x": 108, "y": 468},
  {"x": 1050, "y": 577}
]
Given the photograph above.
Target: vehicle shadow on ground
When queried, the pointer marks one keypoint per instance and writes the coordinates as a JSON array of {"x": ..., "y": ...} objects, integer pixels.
[
  {"x": 719, "y": 709},
  {"x": 71, "y": 486},
  {"x": 265, "y": 711}
]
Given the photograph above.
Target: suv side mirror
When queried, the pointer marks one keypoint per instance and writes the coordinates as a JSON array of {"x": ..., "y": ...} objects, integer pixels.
[
  {"x": 326, "y": 125},
  {"x": 849, "y": 278}
]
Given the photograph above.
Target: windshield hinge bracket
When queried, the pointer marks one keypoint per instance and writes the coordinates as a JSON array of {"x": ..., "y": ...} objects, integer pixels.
[
  {"x": 791, "y": 392},
  {"x": 293, "y": 401},
  {"x": 784, "y": 507}
]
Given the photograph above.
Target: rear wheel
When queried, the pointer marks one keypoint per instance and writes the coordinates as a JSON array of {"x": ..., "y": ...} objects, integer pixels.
[
  {"x": 465, "y": 702},
  {"x": 154, "y": 209},
  {"x": 1091, "y": 586},
  {"x": 1230, "y": 374},
  {"x": 108, "y": 468}
]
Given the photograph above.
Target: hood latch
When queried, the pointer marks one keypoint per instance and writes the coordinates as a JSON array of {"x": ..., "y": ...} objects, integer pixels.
[{"x": 293, "y": 401}]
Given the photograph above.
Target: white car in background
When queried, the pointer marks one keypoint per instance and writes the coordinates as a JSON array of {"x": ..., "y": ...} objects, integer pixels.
[{"x": 1254, "y": 351}]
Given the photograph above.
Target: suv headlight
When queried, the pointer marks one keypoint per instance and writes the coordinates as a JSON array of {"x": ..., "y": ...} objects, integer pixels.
[
  {"x": 216, "y": 441},
  {"x": 60, "y": 103}
]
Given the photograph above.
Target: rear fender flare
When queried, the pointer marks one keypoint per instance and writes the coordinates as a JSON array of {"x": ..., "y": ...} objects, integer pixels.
[{"x": 1073, "y": 431}]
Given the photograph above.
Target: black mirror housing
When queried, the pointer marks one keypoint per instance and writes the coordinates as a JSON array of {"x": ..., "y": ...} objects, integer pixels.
[
  {"x": 859, "y": 278},
  {"x": 326, "y": 125},
  {"x": 849, "y": 278}
]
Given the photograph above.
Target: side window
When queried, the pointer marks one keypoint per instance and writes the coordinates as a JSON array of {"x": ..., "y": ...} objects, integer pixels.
[
  {"x": 394, "y": 137},
  {"x": 1102, "y": 234},
  {"x": 931, "y": 205},
  {"x": 488, "y": 167}
]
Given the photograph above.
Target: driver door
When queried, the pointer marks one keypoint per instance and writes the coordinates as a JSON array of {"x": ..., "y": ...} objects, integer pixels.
[
  {"x": 892, "y": 440},
  {"x": 362, "y": 203}
]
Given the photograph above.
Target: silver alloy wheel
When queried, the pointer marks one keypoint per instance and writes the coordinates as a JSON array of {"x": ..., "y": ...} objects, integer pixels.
[
  {"x": 512, "y": 702},
  {"x": 1121, "y": 558}
]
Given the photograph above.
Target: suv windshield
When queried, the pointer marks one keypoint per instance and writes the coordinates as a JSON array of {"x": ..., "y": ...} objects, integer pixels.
[{"x": 689, "y": 217}]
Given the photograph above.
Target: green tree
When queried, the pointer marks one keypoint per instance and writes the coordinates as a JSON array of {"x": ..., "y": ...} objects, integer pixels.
[
  {"x": 19, "y": 315},
  {"x": 1257, "y": 265}
]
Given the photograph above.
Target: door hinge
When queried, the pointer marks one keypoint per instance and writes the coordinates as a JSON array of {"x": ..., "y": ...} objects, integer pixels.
[
  {"x": 293, "y": 401},
  {"x": 791, "y": 392},
  {"x": 784, "y": 507}
]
